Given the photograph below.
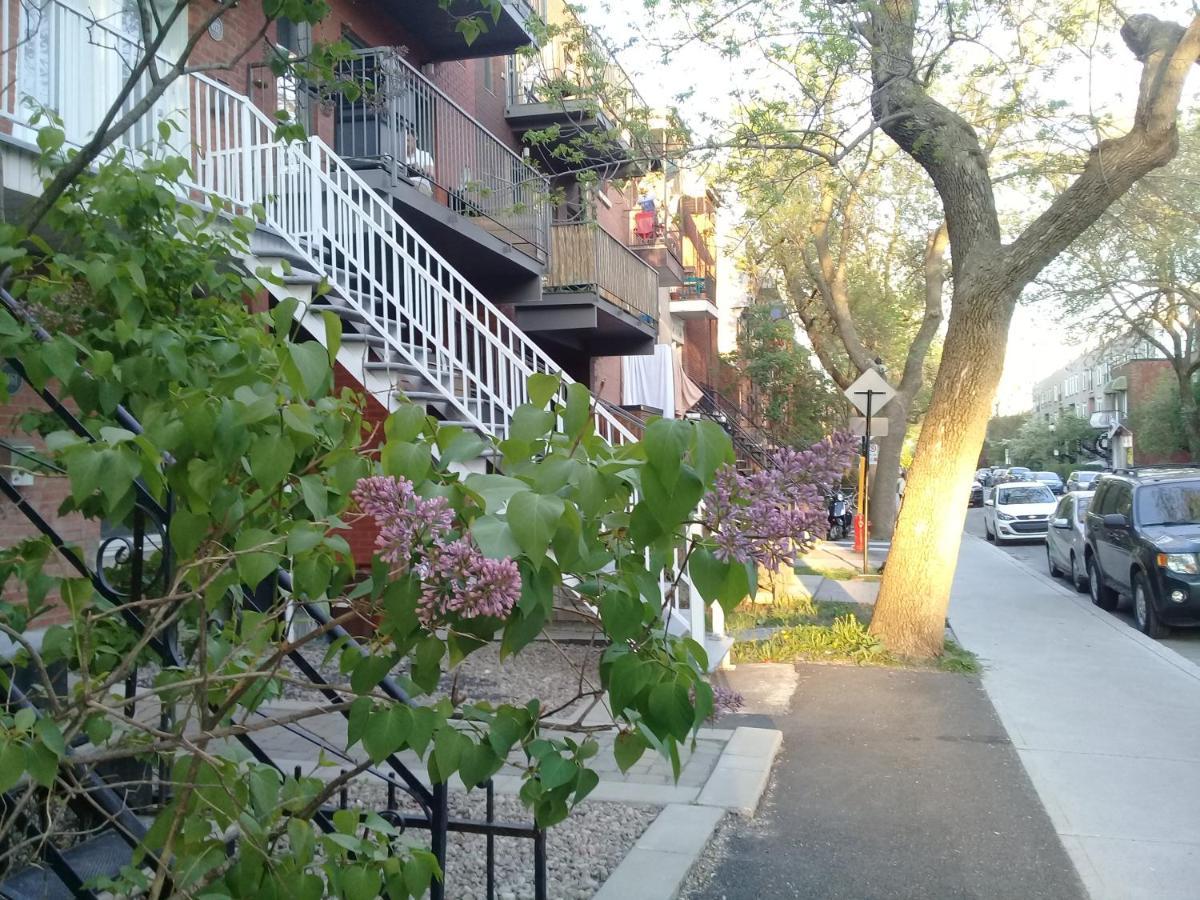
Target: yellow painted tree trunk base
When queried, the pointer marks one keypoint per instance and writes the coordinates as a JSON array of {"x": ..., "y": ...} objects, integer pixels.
[{"x": 780, "y": 587}]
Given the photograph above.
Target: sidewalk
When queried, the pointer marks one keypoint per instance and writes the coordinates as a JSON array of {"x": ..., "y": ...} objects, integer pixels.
[
  {"x": 1106, "y": 722},
  {"x": 891, "y": 785}
]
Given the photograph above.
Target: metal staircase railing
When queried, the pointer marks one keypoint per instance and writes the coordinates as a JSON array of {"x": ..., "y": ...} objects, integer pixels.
[
  {"x": 394, "y": 283},
  {"x": 748, "y": 444},
  {"x": 151, "y": 515}
]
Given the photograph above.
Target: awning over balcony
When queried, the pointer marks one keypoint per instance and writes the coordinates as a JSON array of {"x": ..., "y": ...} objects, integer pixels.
[
  {"x": 1118, "y": 384},
  {"x": 435, "y": 26}
]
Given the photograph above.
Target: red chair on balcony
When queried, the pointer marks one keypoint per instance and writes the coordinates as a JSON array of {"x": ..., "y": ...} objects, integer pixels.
[{"x": 645, "y": 225}]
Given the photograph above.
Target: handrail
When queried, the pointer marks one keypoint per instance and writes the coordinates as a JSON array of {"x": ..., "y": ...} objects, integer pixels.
[{"x": 475, "y": 170}]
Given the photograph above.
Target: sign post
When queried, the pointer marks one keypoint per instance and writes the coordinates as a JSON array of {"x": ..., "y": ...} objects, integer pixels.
[{"x": 870, "y": 393}]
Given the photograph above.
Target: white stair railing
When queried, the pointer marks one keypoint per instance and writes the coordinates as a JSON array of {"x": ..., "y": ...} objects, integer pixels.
[{"x": 400, "y": 288}]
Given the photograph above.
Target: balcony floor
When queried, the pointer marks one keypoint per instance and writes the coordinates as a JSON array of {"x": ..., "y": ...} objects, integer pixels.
[{"x": 585, "y": 322}]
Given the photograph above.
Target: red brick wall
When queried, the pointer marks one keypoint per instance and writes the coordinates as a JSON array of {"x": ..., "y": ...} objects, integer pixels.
[
  {"x": 614, "y": 218},
  {"x": 700, "y": 350},
  {"x": 46, "y": 494},
  {"x": 1144, "y": 377}
]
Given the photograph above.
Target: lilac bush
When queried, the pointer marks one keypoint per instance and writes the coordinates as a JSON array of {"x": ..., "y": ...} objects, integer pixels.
[
  {"x": 415, "y": 535},
  {"x": 774, "y": 515}
]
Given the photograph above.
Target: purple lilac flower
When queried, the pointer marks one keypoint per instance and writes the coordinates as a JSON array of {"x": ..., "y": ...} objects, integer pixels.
[
  {"x": 406, "y": 521},
  {"x": 773, "y": 515},
  {"x": 460, "y": 580},
  {"x": 415, "y": 535}
]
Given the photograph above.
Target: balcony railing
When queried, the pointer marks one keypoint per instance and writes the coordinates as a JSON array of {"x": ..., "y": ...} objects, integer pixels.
[
  {"x": 647, "y": 229},
  {"x": 586, "y": 257},
  {"x": 405, "y": 121},
  {"x": 572, "y": 69}
]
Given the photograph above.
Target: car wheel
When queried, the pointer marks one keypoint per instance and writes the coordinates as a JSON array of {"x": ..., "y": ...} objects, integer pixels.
[
  {"x": 1144, "y": 613},
  {"x": 1102, "y": 595},
  {"x": 1055, "y": 571},
  {"x": 1078, "y": 580},
  {"x": 987, "y": 532}
]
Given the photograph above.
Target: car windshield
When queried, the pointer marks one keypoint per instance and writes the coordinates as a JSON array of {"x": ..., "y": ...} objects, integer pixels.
[
  {"x": 1046, "y": 476},
  {"x": 1084, "y": 477},
  {"x": 1081, "y": 507},
  {"x": 1018, "y": 471},
  {"x": 1169, "y": 504},
  {"x": 1017, "y": 495}
]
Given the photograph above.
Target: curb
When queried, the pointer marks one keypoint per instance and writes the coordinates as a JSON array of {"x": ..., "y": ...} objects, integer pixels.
[{"x": 659, "y": 862}]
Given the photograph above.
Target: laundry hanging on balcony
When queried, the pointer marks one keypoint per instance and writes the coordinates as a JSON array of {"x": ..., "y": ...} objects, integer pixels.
[
  {"x": 687, "y": 392},
  {"x": 650, "y": 380}
]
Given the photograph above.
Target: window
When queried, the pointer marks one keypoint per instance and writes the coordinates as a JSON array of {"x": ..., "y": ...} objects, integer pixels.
[
  {"x": 1082, "y": 508},
  {"x": 1100, "y": 501},
  {"x": 1064, "y": 508},
  {"x": 1122, "y": 500},
  {"x": 489, "y": 76},
  {"x": 1169, "y": 504}
]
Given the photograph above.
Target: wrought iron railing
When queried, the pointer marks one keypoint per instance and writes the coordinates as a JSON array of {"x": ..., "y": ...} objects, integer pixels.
[
  {"x": 586, "y": 257},
  {"x": 149, "y": 535},
  {"x": 405, "y": 122},
  {"x": 749, "y": 445}
]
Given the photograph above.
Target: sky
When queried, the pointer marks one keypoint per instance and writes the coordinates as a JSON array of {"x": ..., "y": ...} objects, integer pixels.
[{"x": 1038, "y": 343}]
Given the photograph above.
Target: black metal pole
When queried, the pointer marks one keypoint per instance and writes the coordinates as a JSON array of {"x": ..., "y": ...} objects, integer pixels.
[
  {"x": 539, "y": 865},
  {"x": 438, "y": 827},
  {"x": 866, "y": 505},
  {"x": 491, "y": 841}
]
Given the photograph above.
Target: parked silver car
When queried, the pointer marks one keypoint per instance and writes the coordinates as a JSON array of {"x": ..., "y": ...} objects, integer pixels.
[{"x": 1065, "y": 538}]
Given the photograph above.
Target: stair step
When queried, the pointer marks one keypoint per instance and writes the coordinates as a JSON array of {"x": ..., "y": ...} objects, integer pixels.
[{"x": 100, "y": 857}]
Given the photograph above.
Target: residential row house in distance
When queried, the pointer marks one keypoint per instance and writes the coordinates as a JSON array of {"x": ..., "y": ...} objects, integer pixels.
[
  {"x": 1104, "y": 386},
  {"x": 461, "y": 253}
]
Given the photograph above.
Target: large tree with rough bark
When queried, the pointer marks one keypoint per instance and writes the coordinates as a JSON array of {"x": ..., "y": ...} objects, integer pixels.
[{"x": 922, "y": 70}]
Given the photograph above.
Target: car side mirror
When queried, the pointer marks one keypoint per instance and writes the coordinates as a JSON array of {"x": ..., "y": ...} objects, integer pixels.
[
  {"x": 989, "y": 502},
  {"x": 1062, "y": 523},
  {"x": 1115, "y": 520}
]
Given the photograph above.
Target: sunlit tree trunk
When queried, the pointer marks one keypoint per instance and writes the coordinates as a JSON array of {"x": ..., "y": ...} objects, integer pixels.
[{"x": 988, "y": 278}]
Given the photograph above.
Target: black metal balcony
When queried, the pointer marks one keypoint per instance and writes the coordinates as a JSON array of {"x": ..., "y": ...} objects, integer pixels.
[{"x": 436, "y": 26}]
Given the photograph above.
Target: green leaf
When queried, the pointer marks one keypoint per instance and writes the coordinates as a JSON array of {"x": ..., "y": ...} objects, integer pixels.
[
  {"x": 405, "y": 424},
  {"x": 666, "y": 441},
  {"x": 727, "y": 583},
  {"x": 386, "y": 731},
  {"x": 411, "y": 461},
  {"x": 713, "y": 449},
  {"x": 555, "y": 770},
  {"x": 578, "y": 414},
  {"x": 495, "y": 490},
  {"x": 672, "y": 506},
  {"x": 628, "y": 749},
  {"x": 447, "y": 751},
  {"x": 621, "y": 614},
  {"x": 478, "y": 763},
  {"x": 530, "y": 423},
  {"x": 271, "y": 459},
  {"x": 51, "y": 737},
  {"x": 587, "y": 782},
  {"x": 533, "y": 519},
  {"x": 670, "y": 709},
  {"x": 12, "y": 764},
  {"x": 361, "y": 711},
  {"x": 494, "y": 538},
  {"x": 426, "y": 668},
  {"x": 188, "y": 531},
  {"x": 542, "y": 388},
  {"x": 333, "y": 334},
  {"x": 309, "y": 372},
  {"x": 316, "y": 498},
  {"x": 463, "y": 447},
  {"x": 253, "y": 565}
]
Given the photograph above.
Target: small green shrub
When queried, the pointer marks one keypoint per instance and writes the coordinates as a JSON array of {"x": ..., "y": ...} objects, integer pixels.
[
  {"x": 956, "y": 658},
  {"x": 845, "y": 638}
]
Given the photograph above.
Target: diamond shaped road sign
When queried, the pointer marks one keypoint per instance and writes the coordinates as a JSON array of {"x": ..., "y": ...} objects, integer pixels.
[{"x": 870, "y": 384}]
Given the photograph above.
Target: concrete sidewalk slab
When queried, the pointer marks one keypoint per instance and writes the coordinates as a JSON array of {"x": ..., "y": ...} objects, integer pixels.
[
  {"x": 1106, "y": 722},
  {"x": 891, "y": 785}
]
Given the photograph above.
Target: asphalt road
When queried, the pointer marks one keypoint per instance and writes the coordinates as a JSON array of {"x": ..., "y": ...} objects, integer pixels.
[{"x": 1185, "y": 642}]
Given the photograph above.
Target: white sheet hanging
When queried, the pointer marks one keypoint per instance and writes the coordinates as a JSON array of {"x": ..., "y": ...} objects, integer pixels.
[{"x": 650, "y": 380}]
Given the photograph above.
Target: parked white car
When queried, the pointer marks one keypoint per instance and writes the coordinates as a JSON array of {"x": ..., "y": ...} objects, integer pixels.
[
  {"x": 1018, "y": 511},
  {"x": 1066, "y": 540}
]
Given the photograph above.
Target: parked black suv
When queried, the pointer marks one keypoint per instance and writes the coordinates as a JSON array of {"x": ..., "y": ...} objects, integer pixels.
[{"x": 1143, "y": 541}]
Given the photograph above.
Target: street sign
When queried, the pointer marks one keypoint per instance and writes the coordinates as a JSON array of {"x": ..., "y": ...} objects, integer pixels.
[
  {"x": 879, "y": 426},
  {"x": 874, "y": 459},
  {"x": 870, "y": 393}
]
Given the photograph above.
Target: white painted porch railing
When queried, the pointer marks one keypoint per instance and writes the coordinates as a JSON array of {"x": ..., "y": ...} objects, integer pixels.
[{"x": 428, "y": 314}]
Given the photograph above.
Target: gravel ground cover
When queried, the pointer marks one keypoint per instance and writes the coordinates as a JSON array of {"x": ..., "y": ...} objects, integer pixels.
[{"x": 581, "y": 852}]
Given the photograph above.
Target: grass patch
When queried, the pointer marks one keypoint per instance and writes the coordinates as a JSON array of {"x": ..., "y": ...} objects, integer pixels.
[
  {"x": 834, "y": 574},
  {"x": 792, "y": 613},
  {"x": 838, "y": 633},
  {"x": 957, "y": 658}
]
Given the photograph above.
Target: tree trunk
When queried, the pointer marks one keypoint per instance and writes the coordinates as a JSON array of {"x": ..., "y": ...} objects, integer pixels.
[
  {"x": 911, "y": 610},
  {"x": 884, "y": 503},
  {"x": 1188, "y": 411}
]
